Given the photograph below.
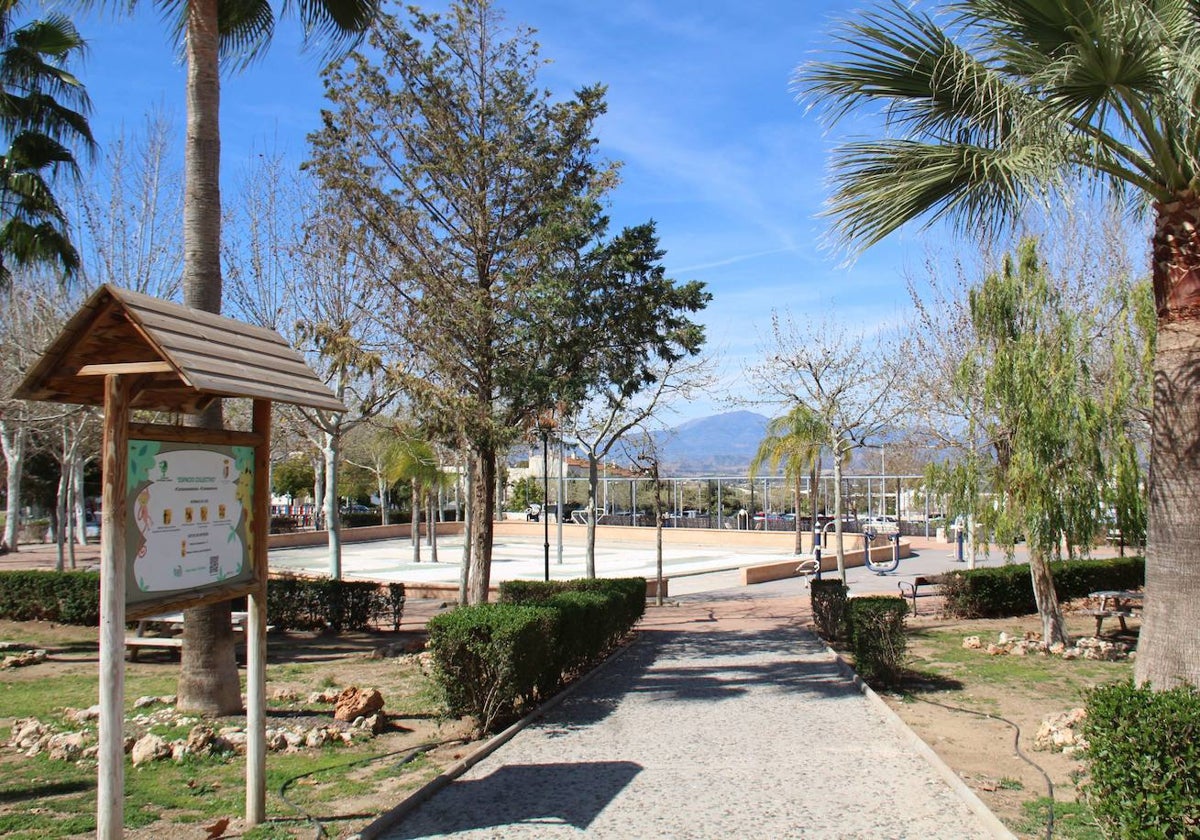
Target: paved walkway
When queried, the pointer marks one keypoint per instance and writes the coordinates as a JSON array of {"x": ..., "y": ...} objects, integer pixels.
[{"x": 725, "y": 719}]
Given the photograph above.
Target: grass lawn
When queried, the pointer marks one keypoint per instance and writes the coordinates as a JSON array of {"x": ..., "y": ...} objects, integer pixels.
[{"x": 343, "y": 787}]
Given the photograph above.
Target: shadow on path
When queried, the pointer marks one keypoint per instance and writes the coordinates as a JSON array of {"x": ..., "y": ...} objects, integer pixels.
[{"x": 530, "y": 794}]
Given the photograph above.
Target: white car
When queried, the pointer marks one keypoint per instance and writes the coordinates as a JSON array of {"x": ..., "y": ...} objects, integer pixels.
[{"x": 881, "y": 524}]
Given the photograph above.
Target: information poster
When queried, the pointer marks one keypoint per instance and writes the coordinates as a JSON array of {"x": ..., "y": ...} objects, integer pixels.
[{"x": 189, "y": 514}]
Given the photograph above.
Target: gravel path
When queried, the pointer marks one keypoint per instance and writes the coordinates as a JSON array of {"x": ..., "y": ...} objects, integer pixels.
[{"x": 713, "y": 725}]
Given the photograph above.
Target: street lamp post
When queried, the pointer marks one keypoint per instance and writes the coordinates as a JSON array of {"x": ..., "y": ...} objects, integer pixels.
[{"x": 546, "y": 494}]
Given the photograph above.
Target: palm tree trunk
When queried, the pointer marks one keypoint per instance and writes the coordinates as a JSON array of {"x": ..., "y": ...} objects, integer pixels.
[
  {"x": 13, "y": 437},
  {"x": 414, "y": 530},
  {"x": 798, "y": 492},
  {"x": 1169, "y": 646},
  {"x": 208, "y": 680}
]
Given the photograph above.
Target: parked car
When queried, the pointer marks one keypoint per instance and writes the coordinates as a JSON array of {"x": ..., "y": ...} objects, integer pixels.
[
  {"x": 91, "y": 526},
  {"x": 881, "y": 524}
]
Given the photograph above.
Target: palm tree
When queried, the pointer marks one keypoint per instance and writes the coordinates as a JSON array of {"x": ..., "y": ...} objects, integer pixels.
[
  {"x": 416, "y": 463},
  {"x": 794, "y": 440},
  {"x": 1015, "y": 100},
  {"x": 43, "y": 113},
  {"x": 236, "y": 31}
]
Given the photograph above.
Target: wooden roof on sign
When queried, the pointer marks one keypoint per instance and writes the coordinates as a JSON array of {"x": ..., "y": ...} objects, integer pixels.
[{"x": 184, "y": 357}]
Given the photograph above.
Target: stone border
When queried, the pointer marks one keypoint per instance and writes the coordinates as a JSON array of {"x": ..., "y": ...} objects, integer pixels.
[{"x": 389, "y": 819}]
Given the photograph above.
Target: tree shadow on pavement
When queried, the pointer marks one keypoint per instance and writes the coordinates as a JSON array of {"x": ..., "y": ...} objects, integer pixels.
[
  {"x": 521, "y": 794},
  {"x": 706, "y": 667}
]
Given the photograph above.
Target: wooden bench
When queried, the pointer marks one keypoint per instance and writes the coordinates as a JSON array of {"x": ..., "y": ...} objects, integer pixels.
[{"x": 910, "y": 588}]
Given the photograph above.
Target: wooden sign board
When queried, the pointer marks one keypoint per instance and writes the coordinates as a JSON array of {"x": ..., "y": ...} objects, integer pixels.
[
  {"x": 190, "y": 526},
  {"x": 185, "y": 511}
]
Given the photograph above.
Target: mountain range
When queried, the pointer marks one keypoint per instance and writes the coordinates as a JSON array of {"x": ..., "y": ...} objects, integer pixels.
[{"x": 720, "y": 444}]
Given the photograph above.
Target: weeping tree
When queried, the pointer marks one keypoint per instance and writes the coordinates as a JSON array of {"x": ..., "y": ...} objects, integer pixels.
[{"x": 1038, "y": 428}]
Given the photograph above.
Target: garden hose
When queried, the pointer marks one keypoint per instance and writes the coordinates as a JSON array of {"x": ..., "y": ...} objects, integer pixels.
[
  {"x": 1016, "y": 747},
  {"x": 409, "y": 755}
]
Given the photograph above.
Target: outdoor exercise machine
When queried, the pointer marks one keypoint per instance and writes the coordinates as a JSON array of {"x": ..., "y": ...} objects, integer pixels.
[{"x": 881, "y": 568}]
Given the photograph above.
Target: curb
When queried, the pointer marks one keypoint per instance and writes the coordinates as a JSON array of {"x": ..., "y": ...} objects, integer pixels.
[
  {"x": 968, "y": 796},
  {"x": 389, "y": 819}
]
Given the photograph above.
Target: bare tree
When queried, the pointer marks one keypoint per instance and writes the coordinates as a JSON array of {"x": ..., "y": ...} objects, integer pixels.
[
  {"x": 848, "y": 381},
  {"x": 128, "y": 213},
  {"x": 612, "y": 414}
]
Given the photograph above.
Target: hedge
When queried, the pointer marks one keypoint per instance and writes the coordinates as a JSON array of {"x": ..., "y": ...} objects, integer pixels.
[
  {"x": 1144, "y": 761},
  {"x": 828, "y": 598},
  {"x": 292, "y": 603},
  {"x": 1005, "y": 591},
  {"x": 63, "y": 597},
  {"x": 491, "y": 659},
  {"x": 877, "y": 637}
]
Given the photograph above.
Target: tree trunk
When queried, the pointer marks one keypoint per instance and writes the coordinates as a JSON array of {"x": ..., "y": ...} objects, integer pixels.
[
  {"x": 467, "y": 541},
  {"x": 13, "y": 438},
  {"x": 381, "y": 486},
  {"x": 1169, "y": 645},
  {"x": 77, "y": 496},
  {"x": 333, "y": 522},
  {"x": 483, "y": 502},
  {"x": 1054, "y": 628},
  {"x": 593, "y": 488},
  {"x": 799, "y": 527},
  {"x": 433, "y": 535},
  {"x": 415, "y": 529},
  {"x": 208, "y": 680},
  {"x": 318, "y": 522},
  {"x": 837, "y": 514}
]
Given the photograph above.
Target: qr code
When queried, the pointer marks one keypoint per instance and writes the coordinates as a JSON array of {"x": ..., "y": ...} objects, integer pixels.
[{"x": 214, "y": 564}]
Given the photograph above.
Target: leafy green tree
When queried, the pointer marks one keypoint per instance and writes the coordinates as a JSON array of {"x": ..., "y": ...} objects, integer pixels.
[
  {"x": 1009, "y": 101},
  {"x": 294, "y": 477},
  {"x": 43, "y": 115},
  {"x": 526, "y": 491},
  {"x": 794, "y": 441},
  {"x": 484, "y": 193},
  {"x": 638, "y": 352}
]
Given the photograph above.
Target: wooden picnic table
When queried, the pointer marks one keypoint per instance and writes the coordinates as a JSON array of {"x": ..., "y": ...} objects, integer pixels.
[{"x": 1114, "y": 603}]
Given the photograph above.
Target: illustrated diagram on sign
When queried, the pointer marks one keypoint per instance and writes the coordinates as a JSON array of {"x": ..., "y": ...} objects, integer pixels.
[{"x": 192, "y": 512}]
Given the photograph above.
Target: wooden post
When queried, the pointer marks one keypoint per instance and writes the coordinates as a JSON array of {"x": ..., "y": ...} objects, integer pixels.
[
  {"x": 110, "y": 782},
  {"x": 256, "y": 625}
]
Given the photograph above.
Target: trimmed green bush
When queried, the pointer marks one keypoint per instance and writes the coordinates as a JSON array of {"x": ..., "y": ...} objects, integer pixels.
[
  {"x": 1144, "y": 761},
  {"x": 877, "y": 637},
  {"x": 828, "y": 599},
  {"x": 490, "y": 660},
  {"x": 64, "y": 597},
  {"x": 1005, "y": 591},
  {"x": 295, "y": 603},
  {"x": 628, "y": 594}
]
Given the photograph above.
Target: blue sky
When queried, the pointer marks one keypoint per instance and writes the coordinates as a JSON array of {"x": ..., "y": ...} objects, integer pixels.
[{"x": 714, "y": 145}]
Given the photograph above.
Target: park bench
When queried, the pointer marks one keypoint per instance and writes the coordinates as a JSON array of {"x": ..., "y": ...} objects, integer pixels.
[{"x": 911, "y": 588}]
